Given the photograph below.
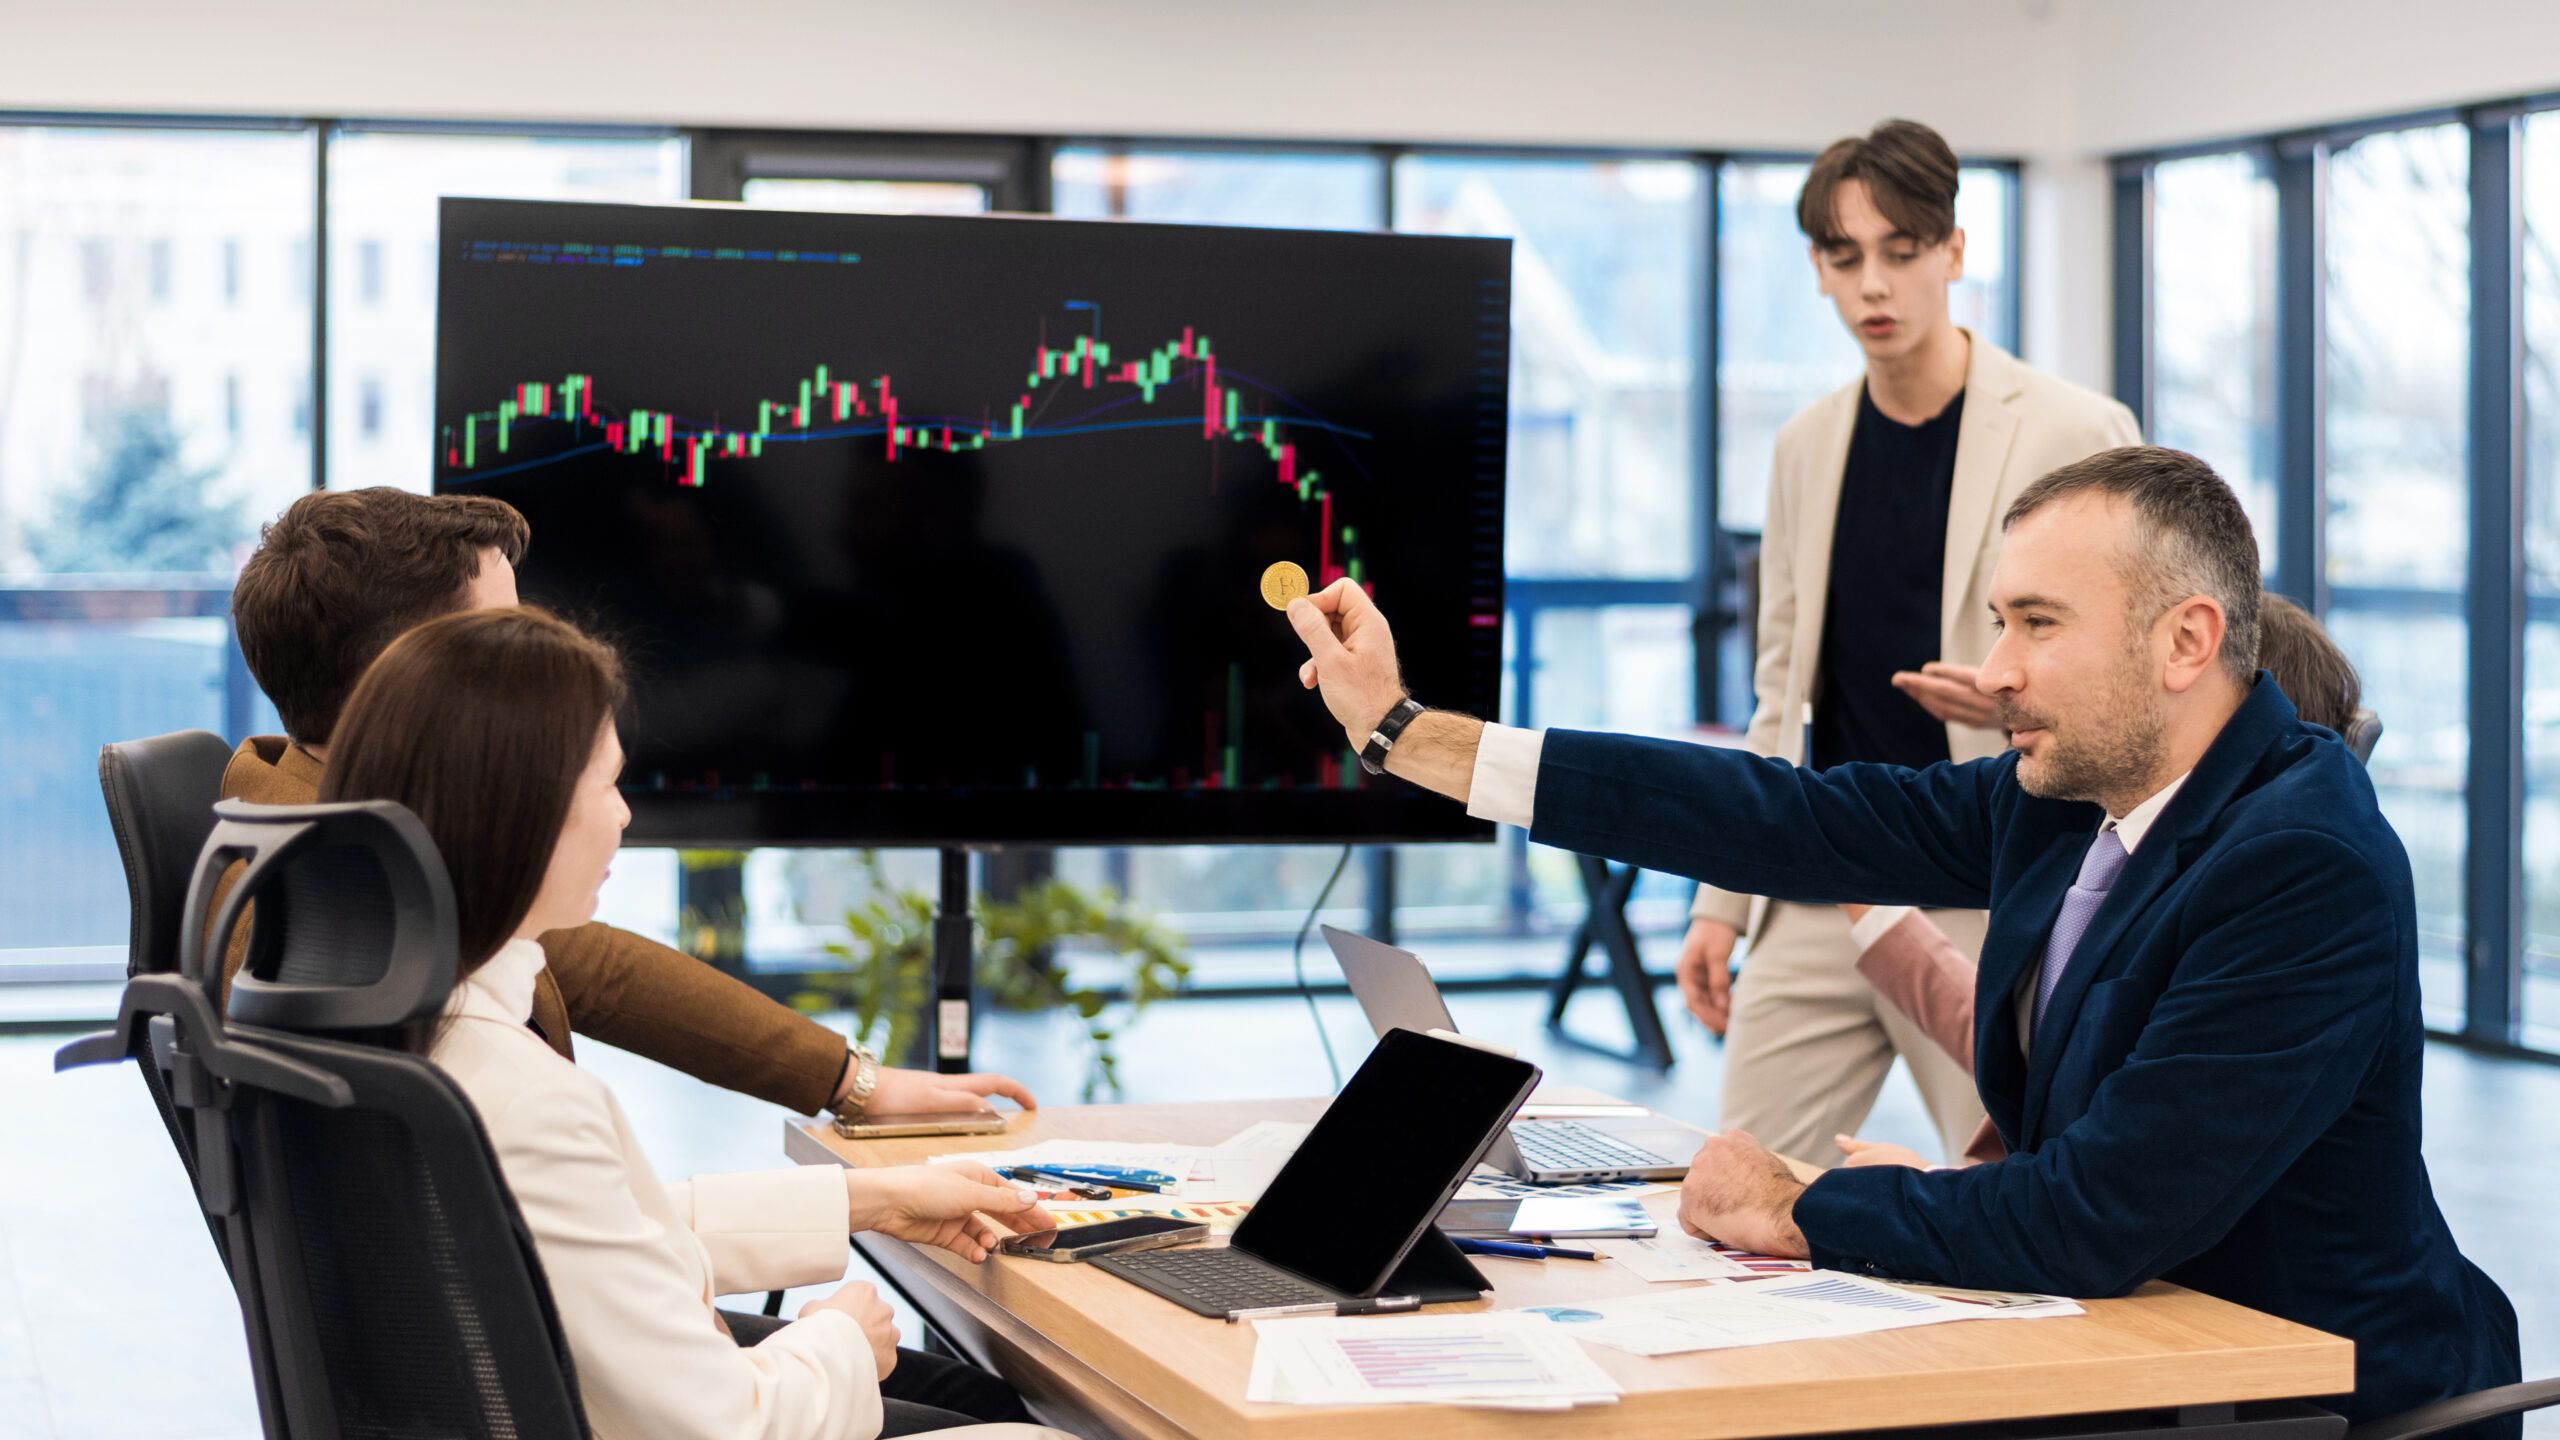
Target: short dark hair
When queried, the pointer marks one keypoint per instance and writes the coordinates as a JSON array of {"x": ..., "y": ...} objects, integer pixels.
[
  {"x": 2309, "y": 667},
  {"x": 1909, "y": 173},
  {"x": 480, "y": 723},
  {"x": 341, "y": 573},
  {"x": 2190, "y": 537}
]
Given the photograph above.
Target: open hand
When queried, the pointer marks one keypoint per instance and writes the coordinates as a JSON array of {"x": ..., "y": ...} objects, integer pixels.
[
  {"x": 957, "y": 1205},
  {"x": 1739, "y": 1193},
  {"x": 1351, "y": 657},
  {"x": 1948, "y": 692},
  {"x": 922, "y": 1092}
]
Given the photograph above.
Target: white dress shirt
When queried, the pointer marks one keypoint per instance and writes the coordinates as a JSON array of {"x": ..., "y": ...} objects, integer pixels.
[{"x": 634, "y": 1264}]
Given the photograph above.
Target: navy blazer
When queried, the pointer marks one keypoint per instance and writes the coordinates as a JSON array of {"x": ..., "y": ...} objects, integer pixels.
[{"x": 2224, "y": 1089}]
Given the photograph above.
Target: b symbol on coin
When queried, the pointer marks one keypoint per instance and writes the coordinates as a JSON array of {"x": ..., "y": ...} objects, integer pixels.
[{"x": 1283, "y": 583}]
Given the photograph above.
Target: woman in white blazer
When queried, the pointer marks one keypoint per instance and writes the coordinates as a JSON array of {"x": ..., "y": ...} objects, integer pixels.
[{"x": 496, "y": 728}]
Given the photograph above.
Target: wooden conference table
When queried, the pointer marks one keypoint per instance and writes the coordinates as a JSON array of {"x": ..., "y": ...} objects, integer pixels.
[{"x": 1097, "y": 1355}]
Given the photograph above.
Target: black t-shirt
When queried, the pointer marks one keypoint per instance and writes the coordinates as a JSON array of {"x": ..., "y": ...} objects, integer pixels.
[{"x": 1888, "y": 560}]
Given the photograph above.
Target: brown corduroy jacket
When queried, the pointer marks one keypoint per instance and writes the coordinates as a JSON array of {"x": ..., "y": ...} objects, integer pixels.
[{"x": 607, "y": 984}]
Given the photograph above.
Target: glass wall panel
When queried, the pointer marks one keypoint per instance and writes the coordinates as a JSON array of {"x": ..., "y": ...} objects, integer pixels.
[
  {"x": 1604, "y": 325},
  {"x": 2540, "y": 163},
  {"x": 383, "y": 188},
  {"x": 2213, "y": 324},
  {"x": 2398, "y": 321},
  {"x": 1317, "y": 191},
  {"x": 1780, "y": 343},
  {"x": 155, "y": 369}
]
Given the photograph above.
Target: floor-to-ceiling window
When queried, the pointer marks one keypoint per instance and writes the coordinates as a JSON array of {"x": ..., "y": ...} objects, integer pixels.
[
  {"x": 2213, "y": 336},
  {"x": 2397, "y": 364},
  {"x": 2539, "y": 159},
  {"x": 2312, "y": 330},
  {"x": 155, "y": 405}
]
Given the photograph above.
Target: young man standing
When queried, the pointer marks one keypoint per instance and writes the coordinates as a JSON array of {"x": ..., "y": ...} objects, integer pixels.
[
  {"x": 1882, "y": 532},
  {"x": 337, "y": 578}
]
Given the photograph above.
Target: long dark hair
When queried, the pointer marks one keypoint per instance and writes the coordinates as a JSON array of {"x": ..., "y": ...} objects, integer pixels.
[{"x": 481, "y": 723}]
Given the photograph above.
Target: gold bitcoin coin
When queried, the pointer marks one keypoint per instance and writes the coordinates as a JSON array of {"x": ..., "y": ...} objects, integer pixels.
[{"x": 1283, "y": 583}]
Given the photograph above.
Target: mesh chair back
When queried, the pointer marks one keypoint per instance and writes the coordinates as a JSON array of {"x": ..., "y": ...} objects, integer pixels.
[
  {"x": 387, "y": 1283},
  {"x": 160, "y": 793},
  {"x": 403, "y": 1296},
  {"x": 354, "y": 924}
]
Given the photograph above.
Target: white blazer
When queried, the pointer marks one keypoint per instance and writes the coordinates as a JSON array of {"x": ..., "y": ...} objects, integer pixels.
[
  {"x": 634, "y": 1264},
  {"x": 2019, "y": 424}
]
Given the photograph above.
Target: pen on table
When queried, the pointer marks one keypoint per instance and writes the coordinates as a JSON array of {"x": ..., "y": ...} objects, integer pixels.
[
  {"x": 1379, "y": 1305},
  {"x": 1078, "y": 1177},
  {"x": 1522, "y": 1252}
]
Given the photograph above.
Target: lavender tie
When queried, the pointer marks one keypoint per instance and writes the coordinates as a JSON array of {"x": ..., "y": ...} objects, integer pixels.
[{"x": 2098, "y": 871}]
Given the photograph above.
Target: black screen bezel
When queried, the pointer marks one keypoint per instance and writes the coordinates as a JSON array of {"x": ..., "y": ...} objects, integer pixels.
[{"x": 1322, "y": 1216}]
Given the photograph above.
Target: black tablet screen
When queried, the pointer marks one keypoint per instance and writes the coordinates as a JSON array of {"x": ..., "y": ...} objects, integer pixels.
[{"x": 1377, "y": 1167}]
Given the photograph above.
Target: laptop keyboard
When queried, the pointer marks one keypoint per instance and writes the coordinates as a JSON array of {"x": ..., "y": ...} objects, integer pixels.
[
  {"x": 1565, "y": 1145},
  {"x": 1218, "y": 1280}
]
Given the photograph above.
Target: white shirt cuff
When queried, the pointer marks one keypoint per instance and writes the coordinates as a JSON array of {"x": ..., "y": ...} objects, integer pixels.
[
  {"x": 1504, "y": 788},
  {"x": 1871, "y": 926}
]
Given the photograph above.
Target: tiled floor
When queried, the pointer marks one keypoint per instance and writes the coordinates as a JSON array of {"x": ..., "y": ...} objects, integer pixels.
[{"x": 115, "y": 1321}]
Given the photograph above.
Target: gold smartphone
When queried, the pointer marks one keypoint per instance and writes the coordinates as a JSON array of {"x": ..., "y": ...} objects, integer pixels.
[{"x": 946, "y": 1122}]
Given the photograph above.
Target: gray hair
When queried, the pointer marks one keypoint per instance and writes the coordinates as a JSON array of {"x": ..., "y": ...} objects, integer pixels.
[{"x": 2190, "y": 537}]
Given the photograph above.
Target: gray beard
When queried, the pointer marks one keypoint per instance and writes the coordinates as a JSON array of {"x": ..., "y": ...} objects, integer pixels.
[{"x": 2113, "y": 753}]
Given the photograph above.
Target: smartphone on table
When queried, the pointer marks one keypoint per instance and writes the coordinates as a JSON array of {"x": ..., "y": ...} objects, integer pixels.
[
  {"x": 943, "y": 1122},
  {"x": 1110, "y": 1237}
]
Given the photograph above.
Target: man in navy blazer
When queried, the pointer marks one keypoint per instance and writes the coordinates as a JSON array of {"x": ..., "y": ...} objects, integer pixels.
[{"x": 2197, "y": 1016}]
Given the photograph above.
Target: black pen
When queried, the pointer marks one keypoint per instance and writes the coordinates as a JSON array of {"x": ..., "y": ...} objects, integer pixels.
[{"x": 1078, "y": 1177}]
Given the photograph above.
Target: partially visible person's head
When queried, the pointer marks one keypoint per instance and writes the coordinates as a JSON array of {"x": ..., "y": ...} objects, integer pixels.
[
  {"x": 1880, "y": 211},
  {"x": 496, "y": 728},
  {"x": 2309, "y": 667},
  {"x": 342, "y": 573},
  {"x": 2127, "y": 596}
]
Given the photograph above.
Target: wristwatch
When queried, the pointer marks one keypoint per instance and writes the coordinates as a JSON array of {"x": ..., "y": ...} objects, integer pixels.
[
  {"x": 1373, "y": 756},
  {"x": 857, "y": 1098}
]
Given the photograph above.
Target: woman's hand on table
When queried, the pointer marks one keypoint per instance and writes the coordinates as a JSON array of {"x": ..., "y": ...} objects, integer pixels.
[{"x": 962, "y": 1206}]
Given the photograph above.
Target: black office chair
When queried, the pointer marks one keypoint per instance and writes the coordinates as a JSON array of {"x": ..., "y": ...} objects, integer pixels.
[
  {"x": 160, "y": 793},
  {"x": 386, "y": 1281}
]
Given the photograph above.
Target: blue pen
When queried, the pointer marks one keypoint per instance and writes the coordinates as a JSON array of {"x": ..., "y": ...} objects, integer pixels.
[{"x": 1521, "y": 1252}]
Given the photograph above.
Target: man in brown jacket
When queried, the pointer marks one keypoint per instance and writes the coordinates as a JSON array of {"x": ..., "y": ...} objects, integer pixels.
[{"x": 339, "y": 576}]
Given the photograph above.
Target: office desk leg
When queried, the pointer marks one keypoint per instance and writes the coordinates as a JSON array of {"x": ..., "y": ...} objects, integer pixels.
[{"x": 1606, "y": 892}]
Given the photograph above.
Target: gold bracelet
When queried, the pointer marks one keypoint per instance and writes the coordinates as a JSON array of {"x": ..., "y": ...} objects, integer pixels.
[{"x": 857, "y": 1098}]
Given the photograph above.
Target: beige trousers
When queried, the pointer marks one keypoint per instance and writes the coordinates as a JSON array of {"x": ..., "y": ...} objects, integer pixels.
[{"x": 1811, "y": 1041}]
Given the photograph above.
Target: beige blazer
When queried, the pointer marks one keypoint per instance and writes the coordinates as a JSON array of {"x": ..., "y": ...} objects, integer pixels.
[
  {"x": 2019, "y": 423},
  {"x": 634, "y": 1263}
]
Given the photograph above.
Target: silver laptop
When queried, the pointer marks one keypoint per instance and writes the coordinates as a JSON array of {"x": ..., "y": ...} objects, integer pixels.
[{"x": 1396, "y": 991}]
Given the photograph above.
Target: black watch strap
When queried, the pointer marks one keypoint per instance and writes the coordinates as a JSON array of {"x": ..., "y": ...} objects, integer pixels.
[{"x": 1373, "y": 756}]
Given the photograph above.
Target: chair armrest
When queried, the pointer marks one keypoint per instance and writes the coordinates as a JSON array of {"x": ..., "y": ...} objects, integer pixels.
[{"x": 2460, "y": 1410}]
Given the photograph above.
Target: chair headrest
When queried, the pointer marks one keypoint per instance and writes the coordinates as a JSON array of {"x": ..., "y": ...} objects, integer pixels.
[
  {"x": 2364, "y": 731},
  {"x": 355, "y": 927}
]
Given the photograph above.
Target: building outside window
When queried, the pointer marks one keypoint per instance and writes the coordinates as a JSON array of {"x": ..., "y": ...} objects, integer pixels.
[
  {"x": 2540, "y": 152},
  {"x": 2213, "y": 303},
  {"x": 127, "y": 493},
  {"x": 2398, "y": 362},
  {"x": 383, "y": 189}
]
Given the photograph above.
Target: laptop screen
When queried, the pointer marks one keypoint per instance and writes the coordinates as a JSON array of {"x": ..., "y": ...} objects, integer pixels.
[{"x": 1384, "y": 1157}]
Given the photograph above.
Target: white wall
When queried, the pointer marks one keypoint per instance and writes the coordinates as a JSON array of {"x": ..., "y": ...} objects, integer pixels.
[
  {"x": 2059, "y": 83},
  {"x": 1650, "y": 72}
]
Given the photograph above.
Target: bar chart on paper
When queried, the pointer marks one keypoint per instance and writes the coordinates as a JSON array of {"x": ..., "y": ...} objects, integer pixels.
[{"x": 922, "y": 528}]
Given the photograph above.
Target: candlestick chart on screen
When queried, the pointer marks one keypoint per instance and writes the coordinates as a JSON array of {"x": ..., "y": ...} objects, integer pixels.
[{"x": 932, "y": 529}]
